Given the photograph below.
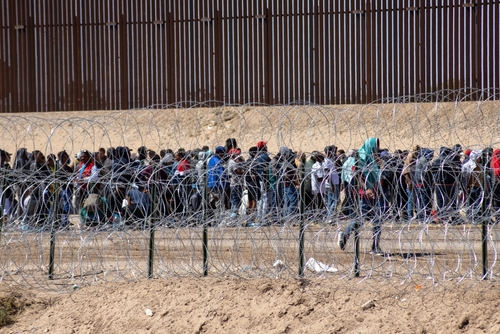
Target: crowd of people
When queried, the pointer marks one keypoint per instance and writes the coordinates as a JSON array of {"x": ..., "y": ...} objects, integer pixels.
[{"x": 118, "y": 185}]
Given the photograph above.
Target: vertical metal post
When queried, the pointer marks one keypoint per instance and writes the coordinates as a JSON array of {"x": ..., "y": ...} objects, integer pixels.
[
  {"x": 2, "y": 204},
  {"x": 53, "y": 224},
  {"x": 205, "y": 216},
  {"x": 152, "y": 222},
  {"x": 356, "y": 249},
  {"x": 52, "y": 252},
  {"x": 483, "y": 214},
  {"x": 302, "y": 216}
]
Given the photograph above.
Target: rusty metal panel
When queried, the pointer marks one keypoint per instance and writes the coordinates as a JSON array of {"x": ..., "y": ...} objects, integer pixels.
[{"x": 76, "y": 54}]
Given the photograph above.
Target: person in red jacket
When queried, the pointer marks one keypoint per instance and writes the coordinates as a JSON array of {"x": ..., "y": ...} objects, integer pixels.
[{"x": 86, "y": 172}]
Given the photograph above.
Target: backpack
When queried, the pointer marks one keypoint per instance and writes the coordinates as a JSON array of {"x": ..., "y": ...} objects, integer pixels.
[{"x": 92, "y": 203}]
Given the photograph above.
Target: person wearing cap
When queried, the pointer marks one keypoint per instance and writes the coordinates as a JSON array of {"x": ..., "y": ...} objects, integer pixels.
[
  {"x": 370, "y": 198},
  {"x": 236, "y": 172},
  {"x": 216, "y": 179}
]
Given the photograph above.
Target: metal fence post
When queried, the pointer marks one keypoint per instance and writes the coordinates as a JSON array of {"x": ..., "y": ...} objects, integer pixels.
[
  {"x": 53, "y": 225},
  {"x": 484, "y": 207},
  {"x": 152, "y": 222},
  {"x": 302, "y": 213},
  {"x": 205, "y": 216}
]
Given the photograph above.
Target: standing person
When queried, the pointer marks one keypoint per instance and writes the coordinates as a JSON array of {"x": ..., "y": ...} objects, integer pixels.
[
  {"x": 7, "y": 195},
  {"x": 22, "y": 172},
  {"x": 236, "y": 172},
  {"x": 287, "y": 181},
  {"x": 216, "y": 179},
  {"x": 252, "y": 183},
  {"x": 424, "y": 184},
  {"x": 369, "y": 195},
  {"x": 399, "y": 194},
  {"x": 495, "y": 168},
  {"x": 349, "y": 184},
  {"x": 263, "y": 166},
  {"x": 182, "y": 180},
  {"x": 86, "y": 173},
  {"x": 309, "y": 202},
  {"x": 473, "y": 174},
  {"x": 63, "y": 177},
  {"x": 445, "y": 175},
  {"x": 318, "y": 177},
  {"x": 332, "y": 181},
  {"x": 408, "y": 174}
]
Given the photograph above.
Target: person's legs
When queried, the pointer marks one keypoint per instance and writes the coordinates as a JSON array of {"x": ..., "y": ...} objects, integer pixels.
[
  {"x": 410, "y": 203},
  {"x": 290, "y": 200},
  {"x": 474, "y": 204},
  {"x": 236, "y": 194}
]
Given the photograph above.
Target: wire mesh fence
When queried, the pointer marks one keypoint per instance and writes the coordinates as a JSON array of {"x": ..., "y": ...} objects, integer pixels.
[{"x": 391, "y": 191}]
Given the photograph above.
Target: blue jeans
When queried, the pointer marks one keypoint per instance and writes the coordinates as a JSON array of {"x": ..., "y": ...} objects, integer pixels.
[
  {"x": 333, "y": 195},
  {"x": 373, "y": 210},
  {"x": 409, "y": 206},
  {"x": 236, "y": 195},
  {"x": 290, "y": 200},
  {"x": 424, "y": 202}
]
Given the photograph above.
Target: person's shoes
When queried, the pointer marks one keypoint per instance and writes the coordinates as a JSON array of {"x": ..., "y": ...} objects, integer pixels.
[
  {"x": 377, "y": 251},
  {"x": 342, "y": 240}
]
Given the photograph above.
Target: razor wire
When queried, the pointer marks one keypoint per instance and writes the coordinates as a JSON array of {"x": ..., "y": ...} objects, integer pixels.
[{"x": 272, "y": 182}]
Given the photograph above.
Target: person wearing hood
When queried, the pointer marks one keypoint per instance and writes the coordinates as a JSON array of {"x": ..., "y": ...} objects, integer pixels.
[
  {"x": 370, "y": 199},
  {"x": 424, "y": 184}
]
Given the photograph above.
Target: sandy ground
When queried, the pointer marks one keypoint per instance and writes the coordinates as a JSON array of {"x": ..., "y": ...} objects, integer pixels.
[
  {"x": 233, "y": 305},
  {"x": 305, "y": 128},
  {"x": 329, "y": 303}
]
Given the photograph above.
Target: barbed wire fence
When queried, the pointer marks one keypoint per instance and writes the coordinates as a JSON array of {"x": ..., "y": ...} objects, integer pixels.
[{"x": 304, "y": 210}]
